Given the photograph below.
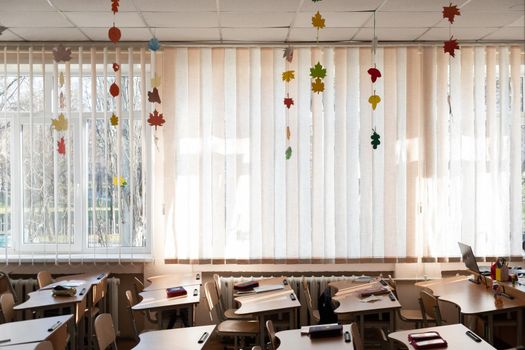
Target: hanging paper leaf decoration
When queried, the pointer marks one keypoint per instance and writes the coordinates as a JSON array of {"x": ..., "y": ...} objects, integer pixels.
[
  {"x": 61, "y": 79},
  {"x": 374, "y": 100},
  {"x": 288, "y": 54},
  {"x": 450, "y": 12},
  {"x": 318, "y": 85},
  {"x": 61, "y": 54},
  {"x": 114, "y": 6},
  {"x": 114, "y": 90},
  {"x": 113, "y": 120},
  {"x": 316, "y": 0},
  {"x": 61, "y": 101},
  {"x": 123, "y": 181},
  {"x": 114, "y": 34},
  {"x": 153, "y": 96},
  {"x": 60, "y": 123},
  {"x": 374, "y": 74},
  {"x": 450, "y": 45},
  {"x": 288, "y": 133},
  {"x": 288, "y": 153},
  {"x": 288, "y": 102},
  {"x": 154, "y": 44},
  {"x": 61, "y": 146},
  {"x": 318, "y": 71},
  {"x": 116, "y": 67},
  {"x": 155, "y": 119},
  {"x": 155, "y": 81},
  {"x": 288, "y": 75},
  {"x": 318, "y": 21},
  {"x": 375, "y": 139}
]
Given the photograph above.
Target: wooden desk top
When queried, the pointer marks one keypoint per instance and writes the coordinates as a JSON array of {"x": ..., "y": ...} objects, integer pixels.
[
  {"x": 157, "y": 299},
  {"x": 43, "y": 298},
  {"x": 471, "y": 298},
  {"x": 350, "y": 301},
  {"x": 179, "y": 338},
  {"x": 454, "y": 335},
  {"x": 30, "y": 331},
  {"x": 293, "y": 339},
  {"x": 26, "y": 346},
  {"x": 267, "y": 301},
  {"x": 263, "y": 282},
  {"x": 175, "y": 280},
  {"x": 91, "y": 278},
  {"x": 338, "y": 285}
]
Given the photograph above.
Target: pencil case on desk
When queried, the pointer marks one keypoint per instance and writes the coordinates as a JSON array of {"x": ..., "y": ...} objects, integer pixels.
[
  {"x": 244, "y": 286},
  {"x": 374, "y": 291},
  {"x": 327, "y": 330},
  {"x": 427, "y": 340},
  {"x": 61, "y": 291},
  {"x": 174, "y": 292}
]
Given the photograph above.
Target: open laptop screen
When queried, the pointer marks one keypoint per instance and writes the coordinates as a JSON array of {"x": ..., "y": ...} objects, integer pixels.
[{"x": 468, "y": 258}]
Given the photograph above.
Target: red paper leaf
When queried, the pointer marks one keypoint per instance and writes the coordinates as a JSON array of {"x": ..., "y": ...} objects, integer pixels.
[
  {"x": 114, "y": 90},
  {"x": 61, "y": 146},
  {"x": 114, "y": 6},
  {"x": 116, "y": 67},
  {"x": 153, "y": 96},
  {"x": 288, "y": 102},
  {"x": 156, "y": 119},
  {"x": 451, "y": 11},
  {"x": 450, "y": 45},
  {"x": 114, "y": 34},
  {"x": 374, "y": 74}
]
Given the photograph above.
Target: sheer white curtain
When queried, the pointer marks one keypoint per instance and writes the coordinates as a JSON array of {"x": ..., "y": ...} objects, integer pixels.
[{"x": 440, "y": 174}]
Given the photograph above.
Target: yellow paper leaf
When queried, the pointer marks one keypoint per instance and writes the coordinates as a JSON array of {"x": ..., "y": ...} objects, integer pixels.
[
  {"x": 60, "y": 123},
  {"x": 61, "y": 79},
  {"x": 318, "y": 21},
  {"x": 317, "y": 85},
  {"x": 155, "y": 81},
  {"x": 374, "y": 100},
  {"x": 123, "y": 181},
  {"x": 288, "y": 75},
  {"x": 114, "y": 120}
]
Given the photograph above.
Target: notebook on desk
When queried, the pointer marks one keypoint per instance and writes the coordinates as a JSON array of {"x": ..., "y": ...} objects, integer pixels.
[{"x": 267, "y": 288}]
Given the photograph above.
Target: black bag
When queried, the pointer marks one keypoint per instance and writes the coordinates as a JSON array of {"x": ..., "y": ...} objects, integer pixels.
[{"x": 326, "y": 308}]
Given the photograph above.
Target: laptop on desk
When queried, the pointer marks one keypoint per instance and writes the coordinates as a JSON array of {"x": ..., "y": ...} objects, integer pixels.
[{"x": 470, "y": 261}]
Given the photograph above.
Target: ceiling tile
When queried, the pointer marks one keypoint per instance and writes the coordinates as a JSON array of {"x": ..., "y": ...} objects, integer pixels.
[
  {"x": 494, "y": 6},
  {"x": 258, "y": 5},
  {"x": 105, "y": 20},
  {"x": 128, "y": 34},
  {"x": 50, "y": 34},
  {"x": 187, "y": 34},
  {"x": 26, "y": 5},
  {"x": 328, "y": 34},
  {"x": 334, "y": 19},
  {"x": 33, "y": 19},
  {"x": 464, "y": 33},
  {"x": 520, "y": 22},
  {"x": 405, "y": 19},
  {"x": 91, "y": 5},
  {"x": 340, "y": 5},
  {"x": 507, "y": 33},
  {"x": 176, "y": 5},
  {"x": 254, "y": 34},
  {"x": 182, "y": 19},
  {"x": 483, "y": 19},
  {"x": 251, "y": 19},
  {"x": 389, "y": 34},
  {"x": 419, "y": 5}
]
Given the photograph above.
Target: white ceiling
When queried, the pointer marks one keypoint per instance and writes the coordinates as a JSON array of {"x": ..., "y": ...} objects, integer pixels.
[{"x": 256, "y": 21}]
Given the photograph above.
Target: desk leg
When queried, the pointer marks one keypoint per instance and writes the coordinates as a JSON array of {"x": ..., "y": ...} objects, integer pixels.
[
  {"x": 519, "y": 332},
  {"x": 261, "y": 331},
  {"x": 73, "y": 332},
  {"x": 490, "y": 329},
  {"x": 362, "y": 326}
]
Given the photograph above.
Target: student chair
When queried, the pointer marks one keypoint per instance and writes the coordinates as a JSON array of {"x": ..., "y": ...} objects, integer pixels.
[
  {"x": 59, "y": 338},
  {"x": 414, "y": 316},
  {"x": 356, "y": 337},
  {"x": 430, "y": 308},
  {"x": 271, "y": 334},
  {"x": 44, "y": 279},
  {"x": 44, "y": 345},
  {"x": 233, "y": 328},
  {"x": 105, "y": 332},
  {"x": 131, "y": 302},
  {"x": 7, "y": 303},
  {"x": 313, "y": 314},
  {"x": 228, "y": 313},
  {"x": 5, "y": 284},
  {"x": 138, "y": 287}
]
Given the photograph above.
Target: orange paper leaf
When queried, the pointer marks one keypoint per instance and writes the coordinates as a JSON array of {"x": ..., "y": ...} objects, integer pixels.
[
  {"x": 61, "y": 146},
  {"x": 374, "y": 101},
  {"x": 318, "y": 21},
  {"x": 60, "y": 123},
  {"x": 156, "y": 119},
  {"x": 114, "y": 120},
  {"x": 288, "y": 75},
  {"x": 450, "y": 12},
  {"x": 450, "y": 45},
  {"x": 317, "y": 85}
]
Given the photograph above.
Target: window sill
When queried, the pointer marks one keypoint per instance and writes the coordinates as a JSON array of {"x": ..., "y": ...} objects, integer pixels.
[{"x": 76, "y": 258}]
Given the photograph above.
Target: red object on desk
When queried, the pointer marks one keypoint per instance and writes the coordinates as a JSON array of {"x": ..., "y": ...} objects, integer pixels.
[
  {"x": 244, "y": 286},
  {"x": 174, "y": 292},
  {"x": 427, "y": 340}
]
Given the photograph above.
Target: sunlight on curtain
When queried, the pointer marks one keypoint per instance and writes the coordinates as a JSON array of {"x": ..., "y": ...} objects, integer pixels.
[{"x": 443, "y": 172}]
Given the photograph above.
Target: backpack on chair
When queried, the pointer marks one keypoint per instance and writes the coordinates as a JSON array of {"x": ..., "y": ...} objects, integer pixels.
[{"x": 326, "y": 308}]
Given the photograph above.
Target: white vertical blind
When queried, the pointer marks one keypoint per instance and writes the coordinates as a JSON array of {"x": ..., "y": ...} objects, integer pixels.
[{"x": 336, "y": 198}]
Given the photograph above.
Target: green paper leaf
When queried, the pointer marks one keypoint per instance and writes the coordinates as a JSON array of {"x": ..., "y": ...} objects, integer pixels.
[
  {"x": 288, "y": 152},
  {"x": 318, "y": 71},
  {"x": 375, "y": 139}
]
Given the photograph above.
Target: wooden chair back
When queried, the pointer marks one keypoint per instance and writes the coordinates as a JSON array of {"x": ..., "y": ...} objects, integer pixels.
[
  {"x": 59, "y": 337},
  {"x": 131, "y": 302},
  {"x": 212, "y": 299},
  {"x": 105, "y": 331},
  {"x": 271, "y": 334},
  {"x": 7, "y": 303},
  {"x": 44, "y": 278},
  {"x": 44, "y": 345},
  {"x": 100, "y": 290},
  {"x": 5, "y": 284},
  {"x": 80, "y": 310},
  {"x": 217, "y": 280},
  {"x": 356, "y": 337},
  {"x": 392, "y": 285},
  {"x": 309, "y": 302},
  {"x": 430, "y": 307}
]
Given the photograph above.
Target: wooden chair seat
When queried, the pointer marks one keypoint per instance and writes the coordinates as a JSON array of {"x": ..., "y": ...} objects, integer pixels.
[
  {"x": 230, "y": 314},
  {"x": 413, "y": 315},
  {"x": 238, "y": 327}
]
